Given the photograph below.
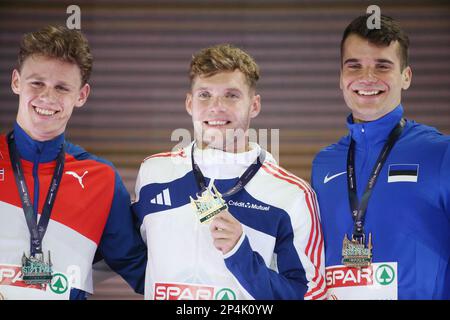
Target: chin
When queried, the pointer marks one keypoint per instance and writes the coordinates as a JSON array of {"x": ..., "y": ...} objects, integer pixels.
[
  {"x": 213, "y": 144},
  {"x": 368, "y": 115}
]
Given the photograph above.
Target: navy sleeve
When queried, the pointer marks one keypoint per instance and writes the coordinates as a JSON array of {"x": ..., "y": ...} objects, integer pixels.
[
  {"x": 77, "y": 294},
  {"x": 121, "y": 244},
  {"x": 445, "y": 181},
  {"x": 285, "y": 280},
  {"x": 261, "y": 282}
]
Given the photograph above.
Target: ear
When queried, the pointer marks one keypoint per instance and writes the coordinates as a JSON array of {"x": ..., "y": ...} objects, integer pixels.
[
  {"x": 341, "y": 85},
  {"x": 15, "y": 81},
  {"x": 188, "y": 103},
  {"x": 406, "y": 78},
  {"x": 83, "y": 95},
  {"x": 255, "y": 107}
]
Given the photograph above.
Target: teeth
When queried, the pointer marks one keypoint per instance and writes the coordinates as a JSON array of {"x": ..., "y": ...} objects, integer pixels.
[
  {"x": 367, "y": 93},
  {"x": 217, "y": 123},
  {"x": 44, "y": 112}
]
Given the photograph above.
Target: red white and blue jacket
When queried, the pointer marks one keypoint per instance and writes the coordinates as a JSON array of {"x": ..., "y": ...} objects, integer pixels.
[{"x": 91, "y": 213}]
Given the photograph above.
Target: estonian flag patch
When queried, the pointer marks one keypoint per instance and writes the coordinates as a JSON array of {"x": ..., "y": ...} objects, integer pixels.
[{"x": 403, "y": 173}]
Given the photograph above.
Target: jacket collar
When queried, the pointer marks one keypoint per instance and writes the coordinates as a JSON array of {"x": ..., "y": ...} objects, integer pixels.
[
  {"x": 375, "y": 131},
  {"x": 36, "y": 151}
]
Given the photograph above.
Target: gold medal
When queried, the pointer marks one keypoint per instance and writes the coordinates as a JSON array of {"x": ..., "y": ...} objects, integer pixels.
[
  {"x": 208, "y": 204},
  {"x": 355, "y": 254}
]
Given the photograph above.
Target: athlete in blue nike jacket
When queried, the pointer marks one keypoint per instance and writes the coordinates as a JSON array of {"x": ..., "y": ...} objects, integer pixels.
[{"x": 406, "y": 206}]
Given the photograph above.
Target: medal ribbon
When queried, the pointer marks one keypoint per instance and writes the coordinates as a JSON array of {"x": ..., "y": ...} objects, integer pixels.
[
  {"x": 37, "y": 231},
  {"x": 359, "y": 208},
  {"x": 240, "y": 184}
]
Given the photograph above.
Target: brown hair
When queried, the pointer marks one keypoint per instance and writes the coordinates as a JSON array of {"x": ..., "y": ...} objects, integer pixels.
[
  {"x": 390, "y": 31},
  {"x": 58, "y": 42},
  {"x": 224, "y": 57}
]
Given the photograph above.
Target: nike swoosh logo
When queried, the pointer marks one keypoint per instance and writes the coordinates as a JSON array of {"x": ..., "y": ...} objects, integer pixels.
[{"x": 327, "y": 179}]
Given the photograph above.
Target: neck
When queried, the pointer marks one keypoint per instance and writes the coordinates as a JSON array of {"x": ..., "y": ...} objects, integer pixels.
[
  {"x": 355, "y": 120},
  {"x": 36, "y": 137}
]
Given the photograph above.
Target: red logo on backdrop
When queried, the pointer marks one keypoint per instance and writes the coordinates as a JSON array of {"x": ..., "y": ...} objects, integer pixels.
[
  {"x": 12, "y": 276},
  {"x": 349, "y": 277},
  {"x": 2, "y": 174},
  {"x": 175, "y": 291}
]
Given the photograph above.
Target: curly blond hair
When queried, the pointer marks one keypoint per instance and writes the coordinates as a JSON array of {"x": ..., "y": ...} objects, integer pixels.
[
  {"x": 224, "y": 57},
  {"x": 58, "y": 42}
]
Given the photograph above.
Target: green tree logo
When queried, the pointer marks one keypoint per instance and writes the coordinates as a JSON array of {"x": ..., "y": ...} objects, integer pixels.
[
  {"x": 59, "y": 283},
  {"x": 385, "y": 274},
  {"x": 225, "y": 294}
]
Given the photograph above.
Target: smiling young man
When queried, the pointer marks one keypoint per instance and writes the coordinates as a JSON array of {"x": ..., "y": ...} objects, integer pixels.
[
  {"x": 388, "y": 235},
  {"x": 58, "y": 203},
  {"x": 259, "y": 239}
]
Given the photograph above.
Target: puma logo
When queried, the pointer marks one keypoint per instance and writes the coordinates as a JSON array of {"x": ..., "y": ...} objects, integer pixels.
[{"x": 80, "y": 179}]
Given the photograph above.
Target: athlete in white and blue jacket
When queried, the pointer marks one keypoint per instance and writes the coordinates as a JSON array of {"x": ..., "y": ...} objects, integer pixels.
[{"x": 268, "y": 243}]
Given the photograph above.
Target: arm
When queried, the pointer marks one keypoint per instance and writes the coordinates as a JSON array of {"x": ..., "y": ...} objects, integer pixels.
[
  {"x": 121, "y": 244},
  {"x": 299, "y": 258},
  {"x": 445, "y": 181}
]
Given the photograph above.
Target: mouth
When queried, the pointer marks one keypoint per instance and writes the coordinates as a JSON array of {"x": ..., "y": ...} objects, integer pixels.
[
  {"x": 368, "y": 93},
  {"x": 44, "y": 112},
  {"x": 217, "y": 123}
]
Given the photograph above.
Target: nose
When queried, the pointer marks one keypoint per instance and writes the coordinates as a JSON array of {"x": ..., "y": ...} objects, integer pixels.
[
  {"x": 217, "y": 105},
  {"x": 48, "y": 95},
  {"x": 368, "y": 75}
]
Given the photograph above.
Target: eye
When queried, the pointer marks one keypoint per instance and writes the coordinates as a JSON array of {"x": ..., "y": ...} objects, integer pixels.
[
  {"x": 231, "y": 95},
  {"x": 37, "y": 84},
  {"x": 383, "y": 67},
  {"x": 61, "y": 88},
  {"x": 354, "y": 66},
  {"x": 204, "y": 95}
]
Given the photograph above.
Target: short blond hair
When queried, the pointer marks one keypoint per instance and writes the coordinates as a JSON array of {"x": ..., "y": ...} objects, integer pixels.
[
  {"x": 224, "y": 57},
  {"x": 61, "y": 43}
]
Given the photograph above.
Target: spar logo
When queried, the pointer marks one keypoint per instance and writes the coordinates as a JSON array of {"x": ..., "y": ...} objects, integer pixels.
[
  {"x": 342, "y": 276},
  {"x": 385, "y": 274},
  {"x": 375, "y": 274},
  {"x": 12, "y": 276},
  {"x": 178, "y": 291},
  {"x": 59, "y": 284}
]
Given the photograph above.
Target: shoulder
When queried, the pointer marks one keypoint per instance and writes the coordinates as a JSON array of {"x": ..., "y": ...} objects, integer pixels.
[
  {"x": 421, "y": 133},
  {"x": 284, "y": 181},
  {"x": 80, "y": 161},
  {"x": 164, "y": 167},
  {"x": 333, "y": 151},
  {"x": 286, "y": 191},
  {"x": 80, "y": 154},
  {"x": 164, "y": 161},
  {"x": 426, "y": 141},
  {"x": 164, "y": 157}
]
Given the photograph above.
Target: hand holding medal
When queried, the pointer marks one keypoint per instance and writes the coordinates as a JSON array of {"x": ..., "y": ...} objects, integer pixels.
[
  {"x": 208, "y": 204},
  {"x": 226, "y": 231}
]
